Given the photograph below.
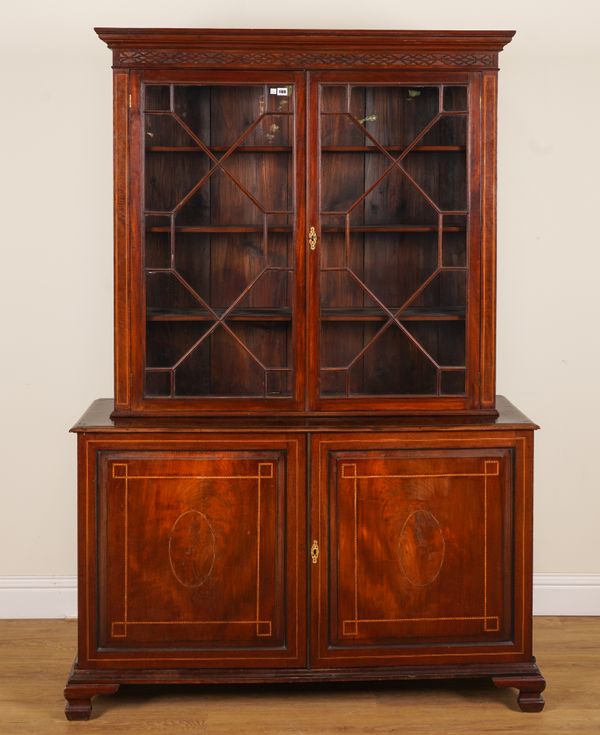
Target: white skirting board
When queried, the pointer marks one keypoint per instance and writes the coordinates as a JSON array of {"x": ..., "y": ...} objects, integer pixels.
[
  {"x": 56, "y": 597},
  {"x": 38, "y": 597},
  {"x": 566, "y": 594}
]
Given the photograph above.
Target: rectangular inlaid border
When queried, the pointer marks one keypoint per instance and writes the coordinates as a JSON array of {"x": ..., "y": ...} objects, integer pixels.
[
  {"x": 120, "y": 471},
  {"x": 491, "y": 468}
]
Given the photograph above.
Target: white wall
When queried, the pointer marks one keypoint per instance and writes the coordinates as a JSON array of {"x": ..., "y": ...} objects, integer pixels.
[{"x": 56, "y": 264}]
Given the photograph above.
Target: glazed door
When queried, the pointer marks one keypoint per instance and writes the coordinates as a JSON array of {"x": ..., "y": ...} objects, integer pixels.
[
  {"x": 394, "y": 198},
  {"x": 219, "y": 215},
  {"x": 419, "y": 542},
  {"x": 201, "y": 557}
]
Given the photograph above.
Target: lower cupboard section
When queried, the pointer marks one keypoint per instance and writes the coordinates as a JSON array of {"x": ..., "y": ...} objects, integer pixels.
[{"x": 195, "y": 553}]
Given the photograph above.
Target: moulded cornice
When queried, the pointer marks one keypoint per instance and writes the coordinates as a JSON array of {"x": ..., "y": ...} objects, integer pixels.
[{"x": 302, "y": 49}]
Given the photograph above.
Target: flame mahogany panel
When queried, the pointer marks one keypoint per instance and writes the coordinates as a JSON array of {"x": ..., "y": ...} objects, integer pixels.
[
  {"x": 424, "y": 549},
  {"x": 200, "y": 551}
]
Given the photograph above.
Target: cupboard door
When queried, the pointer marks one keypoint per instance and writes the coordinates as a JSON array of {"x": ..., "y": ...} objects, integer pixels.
[
  {"x": 199, "y": 557},
  {"x": 220, "y": 302},
  {"x": 420, "y": 543},
  {"x": 394, "y": 277}
]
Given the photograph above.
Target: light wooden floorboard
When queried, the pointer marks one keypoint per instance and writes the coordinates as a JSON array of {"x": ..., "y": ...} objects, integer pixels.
[{"x": 35, "y": 656}]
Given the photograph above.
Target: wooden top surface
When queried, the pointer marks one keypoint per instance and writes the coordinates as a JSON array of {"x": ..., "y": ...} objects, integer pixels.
[
  {"x": 97, "y": 419},
  {"x": 285, "y": 37}
]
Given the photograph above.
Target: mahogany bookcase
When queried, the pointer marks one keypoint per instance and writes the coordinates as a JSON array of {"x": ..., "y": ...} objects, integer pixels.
[{"x": 305, "y": 473}]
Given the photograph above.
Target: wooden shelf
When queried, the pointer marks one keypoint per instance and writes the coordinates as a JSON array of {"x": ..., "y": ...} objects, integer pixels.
[
  {"x": 224, "y": 229},
  {"x": 201, "y": 315},
  {"x": 392, "y": 228},
  {"x": 391, "y": 148},
  {"x": 289, "y": 149},
  {"x": 373, "y": 229},
  {"x": 413, "y": 314},
  {"x": 219, "y": 149},
  {"x": 358, "y": 314}
]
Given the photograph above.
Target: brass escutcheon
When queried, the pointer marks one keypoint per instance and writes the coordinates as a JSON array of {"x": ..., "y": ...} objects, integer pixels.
[{"x": 314, "y": 551}]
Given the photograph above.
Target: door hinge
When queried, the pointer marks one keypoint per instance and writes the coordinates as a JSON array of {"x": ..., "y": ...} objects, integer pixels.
[
  {"x": 130, "y": 101},
  {"x": 314, "y": 551}
]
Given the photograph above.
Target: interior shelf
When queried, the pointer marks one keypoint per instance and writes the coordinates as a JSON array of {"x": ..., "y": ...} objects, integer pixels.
[
  {"x": 202, "y": 315},
  {"x": 235, "y": 229},
  {"x": 288, "y": 228},
  {"x": 415, "y": 314},
  {"x": 391, "y": 148},
  {"x": 288, "y": 149},
  {"x": 357, "y": 314},
  {"x": 219, "y": 149},
  {"x": 393, "y": 228}
]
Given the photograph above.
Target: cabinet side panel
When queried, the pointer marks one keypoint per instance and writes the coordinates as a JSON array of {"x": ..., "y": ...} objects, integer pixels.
[
  {"x": 488, "y": 239},
  {"x": 121, "y": 237},
  {"x": 82, "y": 607},
  {"x": 524, "y": 478}
]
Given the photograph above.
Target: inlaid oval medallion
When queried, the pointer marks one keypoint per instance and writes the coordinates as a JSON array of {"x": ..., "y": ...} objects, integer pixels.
[
  {"x": 192, "y": 548},
  {"x": 421, "y": 548}
]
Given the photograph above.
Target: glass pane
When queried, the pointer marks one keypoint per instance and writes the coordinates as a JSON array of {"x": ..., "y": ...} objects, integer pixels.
[
  {"x": 392, "y": 365},
  {"x": 394, "y": 116},
  {"x": 393, "y": 240},
  {"x": 219, "y": 231},
  {"x": 453, "y": 382},
  {"x": 409, "y": 258},
  {"x": 157, "y": 98},
  {"x": 158, "y": 383},
  {"x": 439, "y": 164},
  {"x": 455, "y": 98},
  {"x": 454, "y": 241}
]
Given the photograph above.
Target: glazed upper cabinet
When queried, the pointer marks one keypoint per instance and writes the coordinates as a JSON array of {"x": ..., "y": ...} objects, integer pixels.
[{"x": 304, "y": 239}]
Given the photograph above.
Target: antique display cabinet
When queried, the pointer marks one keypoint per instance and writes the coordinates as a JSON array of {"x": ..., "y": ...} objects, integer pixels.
[{"x": 305, "y": 473}]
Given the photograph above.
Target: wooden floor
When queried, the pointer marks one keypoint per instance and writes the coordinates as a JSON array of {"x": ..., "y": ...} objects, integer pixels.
[{"x": 35, "y": 656}]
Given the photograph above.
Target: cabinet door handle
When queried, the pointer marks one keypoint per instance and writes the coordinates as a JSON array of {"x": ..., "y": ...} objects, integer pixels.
[
  {"x": 314, "y": 551},
  {"x": 312, "y": 241}
]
